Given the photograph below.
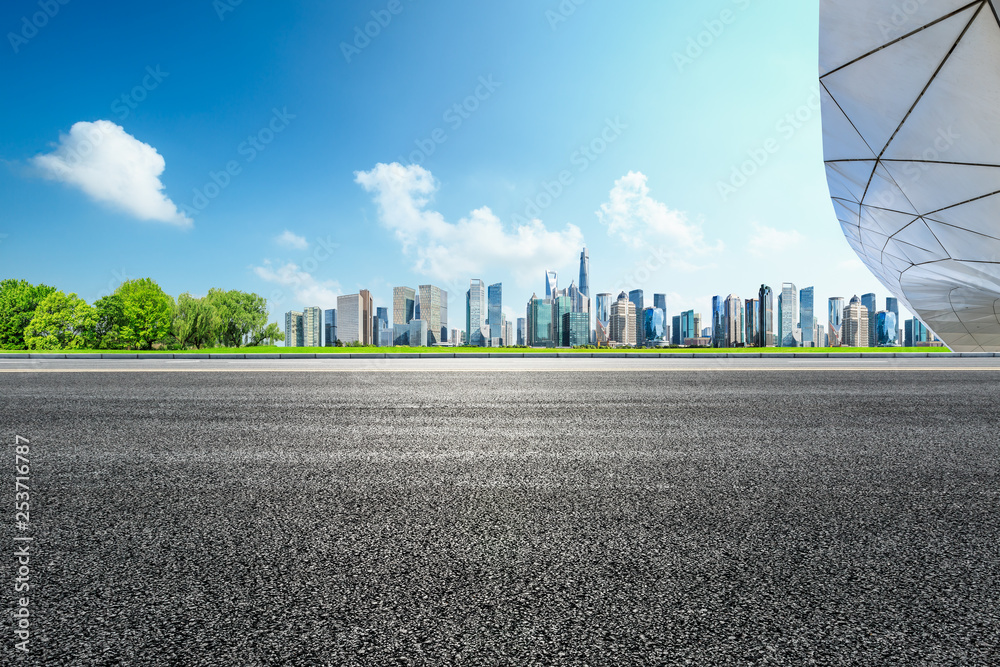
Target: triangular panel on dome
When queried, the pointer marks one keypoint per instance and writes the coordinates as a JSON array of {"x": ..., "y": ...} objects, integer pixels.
[
  {"x": 962, "y": 244},
  {"x": 883, "y": 192},
  {"x": 841, "y": 140},
  {"x": 848, "y": 211},
  {"x": 959, "y": 115},
  {"x": 914, "y": 254},
  {"x": 878, "y": 91},
  {"x": 981, "y": 216},
  {"x": 870, "y": 27},
  {"x": 884, "y": 221},
  {"x": 849, "y": 179},
  {"x": 918, "y": 234},
  {"x": 850, "y": 231},
  {"x": 931, "y": 186},
  {"x": 873, "y": 239}
]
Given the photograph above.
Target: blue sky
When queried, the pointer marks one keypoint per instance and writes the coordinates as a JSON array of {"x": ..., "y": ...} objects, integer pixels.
[{"x": 681, "y": 142}]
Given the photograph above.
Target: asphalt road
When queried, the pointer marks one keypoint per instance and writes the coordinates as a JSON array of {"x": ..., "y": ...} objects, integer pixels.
[{"x": 454, "y": 514}]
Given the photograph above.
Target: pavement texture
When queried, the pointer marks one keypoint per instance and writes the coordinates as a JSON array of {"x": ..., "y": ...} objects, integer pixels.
[{"x": 484, "y": 518}]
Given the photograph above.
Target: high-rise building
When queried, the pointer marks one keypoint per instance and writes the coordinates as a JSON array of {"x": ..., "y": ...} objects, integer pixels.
[
  {"x": 602, "y": 318},
  {"x": 765, "y": 329},
  {"x": 855, "y": 324},
  {"x": 915, "y": 333},
  {"x": 654, "y": 326},
  {"x": 689, "y": 329},
  {"x": 636, "y": 297},
  {"x": 718, "y": 321},
  {"x": 892, "y": 305},
  {"x": 352, "y": 321},
  {"x": 509, "y": 337},
  {"x": 751, "y": 317},
  {"x": 585, "y": 274},
  {"x": 551, "y": 284},
  {"x": 660, "y": 301},
  {"x": 676, "y": 332},
  {"x": 835, "y": 317},
  {"x": 401, "y": 334},
  {"x": 434, "y": 311},
  {"x": 560, "y": 306},
  {"x": 475, "y": 314},
  {"x": 293, "y": 329},
  {"x": 330, "y": 327},
  {"x": 312, "y": 326},
  {"x": 403, "y": 303},
  {"x": 522, "y": 331},
  {"x": 886, "y": 329},
  {"x": 540, "y": 327},
  {"x": 806, "y": 317},
  {"x": 575, "y": 329},
  {"x": 698, "y": 330},
  {"x": 622, "y": 321},
  {"x": 869, "y": 302},
  {"x": 495, "y": 310},
  {"x": 733, "y": 323},
  {"x": 788, "y": 321},
  {"x": 419, "y": 334}
]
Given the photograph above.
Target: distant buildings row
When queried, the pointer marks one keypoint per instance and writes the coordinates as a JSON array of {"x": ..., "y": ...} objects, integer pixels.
[{"x": 566, "y": 318}]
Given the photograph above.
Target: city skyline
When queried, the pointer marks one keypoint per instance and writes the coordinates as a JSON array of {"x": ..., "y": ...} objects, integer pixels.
[{"x": 280, "y": 188}]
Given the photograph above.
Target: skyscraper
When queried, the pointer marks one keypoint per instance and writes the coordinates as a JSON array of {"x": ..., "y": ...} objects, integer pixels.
[
  {"x": 539, "y": 323},
  {"x": 522, "y": 331},
  {"x": 855, "y": 325},
  {"x": 475, "y": 313},
  {"x": 886, "y": 329},
  {"x": 765, "y": 329},
  {"x": 551, "y": 284},
  {"x": 835, "y": 318},
  {"x": 330, "y": 327},
  {"x": 434, "y": 311},
  {"x": 312, "y": 322},
  {"x": 636, "y": 297},
  {"x": 806, "y": 317},
  {"x": 718, "y": 321},
  {"x": 689, "y": 329},
  {"x": 495, "y": 310},
  {"x": 355, "y": 318},
  {"x": 622, "y": 321},
  {"x": 584, "y": 285},
  {"x": 293, "y": 329},
  {"x": 733, "y": 314},
  {"x": 561, "y": 305},
  {"x": 750, "y": 319},
  {"x": 660, "y": 301},
  {"x": 654, "y": 326},
  {"x": 403, "y": 302},
  {"x": 788, "y": 319},
  {"x": 892, "y": 305},
  {"x": 868, "y": 301},
  {"x": 603, "y": 317},
  {"x": 676, "y": 335}
]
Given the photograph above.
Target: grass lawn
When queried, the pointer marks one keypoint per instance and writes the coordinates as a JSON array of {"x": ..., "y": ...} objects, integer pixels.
[{"x": 500, "y": 350}]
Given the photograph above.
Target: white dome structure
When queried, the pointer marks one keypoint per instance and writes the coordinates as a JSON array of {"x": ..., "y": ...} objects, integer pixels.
[{"x": 911, "y": 139}]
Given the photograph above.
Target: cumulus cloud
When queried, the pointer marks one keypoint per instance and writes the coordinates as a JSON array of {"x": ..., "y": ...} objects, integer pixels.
[
  {"x": 641, "y": 221},
  {"x": 291, "y": 240},
  {"x": 475, "y": 245},
  {"x": 306, "y": 289},
  {"x": 768, "y": 241},
  {"x": 113, "y": 167}
]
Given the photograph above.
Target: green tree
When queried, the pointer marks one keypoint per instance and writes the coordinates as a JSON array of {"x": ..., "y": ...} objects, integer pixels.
[
  {"x": 242, "y": 316},
  {"x": 270, "y": 334},
  {"x": 18, "y": 301},
  {"x": 109, "y": 313},
  {"x": 195, "y": 321},
  {"x": 61, "y": 322},
  {"x": 146, "y": 313}
]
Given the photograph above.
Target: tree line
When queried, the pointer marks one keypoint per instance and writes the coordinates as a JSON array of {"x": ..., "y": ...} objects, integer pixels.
[{"x": 138, "y": 316}]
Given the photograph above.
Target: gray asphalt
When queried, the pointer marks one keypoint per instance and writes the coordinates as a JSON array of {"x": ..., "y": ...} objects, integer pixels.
[{"x": 436, "y": 514}]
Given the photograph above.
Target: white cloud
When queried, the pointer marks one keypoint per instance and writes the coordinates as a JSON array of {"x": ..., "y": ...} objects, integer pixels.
[
  {"x": 291, "y": 240},
  {"x": 768, "y": 242},
  {"x": 305, "y": 288},
  {"x": 641, "y": 221},
  {"x": 472, "y": 247},
  {"x": 113, "y": 167}
]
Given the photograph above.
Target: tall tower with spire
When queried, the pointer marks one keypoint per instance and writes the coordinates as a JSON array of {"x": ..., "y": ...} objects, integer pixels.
[{"x": 584, "y": 284}]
